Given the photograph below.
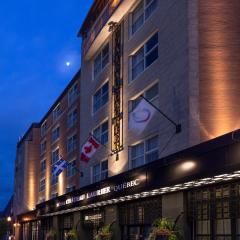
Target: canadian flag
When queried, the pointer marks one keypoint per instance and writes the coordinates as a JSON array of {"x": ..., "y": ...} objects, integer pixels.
[{"x": 89, "y": 148}]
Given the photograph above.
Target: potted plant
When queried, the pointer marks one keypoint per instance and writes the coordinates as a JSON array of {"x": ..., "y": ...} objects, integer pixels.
[
  {"x": 163, "y": 229},
  {"x": 51, "y": 235},
  {"x": 105, "y": 233},
  {"x": 72, "y": 235}
]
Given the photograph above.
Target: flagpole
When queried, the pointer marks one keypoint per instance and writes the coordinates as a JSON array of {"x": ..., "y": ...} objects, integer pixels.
[
  {"x": 107, "y": 148},
  {"x": 75, "y": 167},
  {"x": 177, "y": 126}
]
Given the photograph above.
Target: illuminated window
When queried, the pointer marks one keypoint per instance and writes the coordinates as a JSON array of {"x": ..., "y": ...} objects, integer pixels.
[
  {"x": 73, "y": 94},
  {"x": 100, "y": 171},
  {"x": 100, "y": 98},
  {"x": 144, "y": 57},
  {"x": 55, "y": 134},
  {"x": 101, "y": 133},
  {"x": 71, "y": 168},
  {"x": 101, "y": 61},
  {"x": 72, "y": 143},
  {"x": 72, "y": 118},
  {"x": 56, "y": 112},
  {"x": 141, "y": 13},
  {"x": 144, "y": 152}
]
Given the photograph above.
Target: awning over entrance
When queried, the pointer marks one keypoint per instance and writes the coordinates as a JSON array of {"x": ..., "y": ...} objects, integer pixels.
[{"x": 211, "y": 162}]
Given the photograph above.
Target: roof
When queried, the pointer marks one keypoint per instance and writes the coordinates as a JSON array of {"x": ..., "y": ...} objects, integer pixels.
[
  {"x": 33, "y": 125},
  {"x": 92, "y": 15}
]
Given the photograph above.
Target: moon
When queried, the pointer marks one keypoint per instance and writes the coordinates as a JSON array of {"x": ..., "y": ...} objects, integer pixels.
[{"x": 68, "y": 64}]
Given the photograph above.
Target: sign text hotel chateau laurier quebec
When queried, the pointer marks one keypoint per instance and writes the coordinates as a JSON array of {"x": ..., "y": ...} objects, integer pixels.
[{"x": 100, "y": 192}]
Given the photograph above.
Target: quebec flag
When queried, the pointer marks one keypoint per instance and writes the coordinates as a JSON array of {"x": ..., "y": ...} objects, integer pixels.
[
  {"x": 140, "y": 117},
  {"x": 59, "y": 166}
]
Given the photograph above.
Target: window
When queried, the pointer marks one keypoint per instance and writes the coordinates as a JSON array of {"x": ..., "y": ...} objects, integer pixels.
[
  {"x": 101, "y": 133},
  {"x": 56, "y": 112},
  {"x": 54, "y": 195},
  {"x": 55, "y": 134},
  {"x": 101, "y": 60},
  {"x": 138, "y": 17},
  {"x": 144, "y": 57},
  {"x": 100, "y": 98},
  {"x": 141, "y": 13},
  {"x": 71, "y": 168},
  {"x": 151, "y": 149},
  {"x": 55, "y": 156},
  {"x": 72, "y": 118},
  {"x": 42, "y": 185},
  {"x": 214, "y": 212},
  {"x": 44, "y": 129},
  {"x": 144, "y": 152},
  {"x": 70, "y": 189},
  {"x": 73, "y": 94},
  {"x": 150, "y": 6},
  {"x": 72, "y": 143},
  {"x": 54, "y": 179},
  {"x": 43, "y": 147},
  {"x": 104, "y": 169},
  {"x": 100, "y": 171},
  {"x": 151, "y": 94},
  {"x": 43, "y": 166},
  {"x": 137, "y": 155}
]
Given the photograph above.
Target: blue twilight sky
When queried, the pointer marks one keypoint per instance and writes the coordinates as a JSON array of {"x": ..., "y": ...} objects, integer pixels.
[{"x": 37, "y": 38}]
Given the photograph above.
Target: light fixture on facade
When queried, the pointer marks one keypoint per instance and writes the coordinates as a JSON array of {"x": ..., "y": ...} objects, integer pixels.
[
  {"x": 188, "y": 166},
  {"x": 155, "y": 192}
]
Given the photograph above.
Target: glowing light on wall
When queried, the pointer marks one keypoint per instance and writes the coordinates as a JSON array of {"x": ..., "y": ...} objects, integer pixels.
[
  {"x": 61, "y": 184},
  {"x": 188, "y": 166},
  {"x": 219, "y": 72}
]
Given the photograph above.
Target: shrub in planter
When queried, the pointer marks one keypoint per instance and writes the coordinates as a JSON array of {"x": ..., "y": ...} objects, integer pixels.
[
  {"x": 105, "y": 233},
  {"x": 72, "y": 235},
  {"x": 51, "y": 235},
  {"x": 162, "y": 229}
]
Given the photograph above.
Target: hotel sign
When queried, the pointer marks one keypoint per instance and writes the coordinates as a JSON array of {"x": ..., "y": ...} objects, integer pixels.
[{"x": 101, "y": 192}]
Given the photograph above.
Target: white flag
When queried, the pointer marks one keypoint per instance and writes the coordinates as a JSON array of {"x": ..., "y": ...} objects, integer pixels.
[{"x": 141, "y": 116}]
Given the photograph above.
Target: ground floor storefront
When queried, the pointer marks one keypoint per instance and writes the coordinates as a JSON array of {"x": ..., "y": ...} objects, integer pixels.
[{"x": 198, "y": 190}]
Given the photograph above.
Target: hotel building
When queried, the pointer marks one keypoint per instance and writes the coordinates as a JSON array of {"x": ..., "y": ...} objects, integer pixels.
[
  {"x": 182, "y": 56},
  {"x": 55, "y": 136}
]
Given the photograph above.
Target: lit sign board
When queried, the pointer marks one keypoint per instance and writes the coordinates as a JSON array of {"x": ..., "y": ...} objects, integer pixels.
[
  {"x": 93, "y": 217},
  {"x": 100, "y": 192}
]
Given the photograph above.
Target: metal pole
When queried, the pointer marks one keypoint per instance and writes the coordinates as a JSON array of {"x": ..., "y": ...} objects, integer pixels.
[{"x": 177, "y": 126}]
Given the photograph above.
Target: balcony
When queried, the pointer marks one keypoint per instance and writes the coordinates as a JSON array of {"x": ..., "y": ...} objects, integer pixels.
[{"x": 114, "y": 11}]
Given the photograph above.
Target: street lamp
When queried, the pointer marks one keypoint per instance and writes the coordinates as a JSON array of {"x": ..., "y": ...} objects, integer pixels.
[{"x": 9, "y": 220}]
